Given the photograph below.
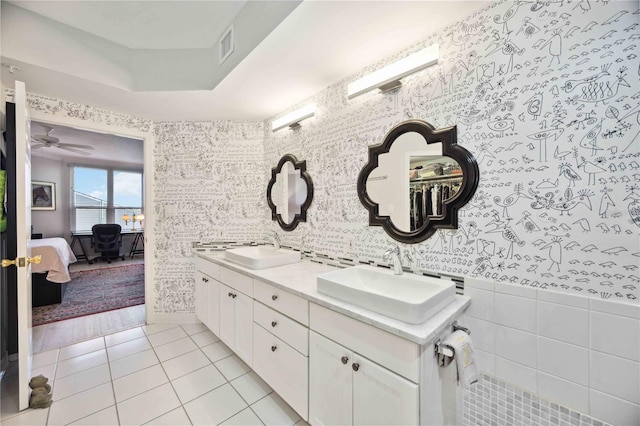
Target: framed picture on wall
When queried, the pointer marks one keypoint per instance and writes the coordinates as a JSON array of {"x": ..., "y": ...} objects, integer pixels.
[{"x": 43, "y": 195}]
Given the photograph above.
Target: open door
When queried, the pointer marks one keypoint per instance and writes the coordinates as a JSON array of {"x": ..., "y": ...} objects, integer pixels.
[{"x": 18, "y": 251}]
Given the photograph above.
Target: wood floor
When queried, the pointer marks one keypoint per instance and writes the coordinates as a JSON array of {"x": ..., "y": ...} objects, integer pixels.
[{"x": 63, "y": 333}]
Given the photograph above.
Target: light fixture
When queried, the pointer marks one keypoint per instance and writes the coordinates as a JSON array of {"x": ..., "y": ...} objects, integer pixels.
[
  {"x": 387, "y": 78},
  {"x": 293, "y": 118},
  {"x": 135, "y": 218}
]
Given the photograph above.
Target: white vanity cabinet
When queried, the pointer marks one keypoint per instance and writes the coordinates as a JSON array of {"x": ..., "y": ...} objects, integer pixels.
[
  {"x": 236, "y": 313},
  {"x": 281, "y": 344},
  {"x": 207, "y": 294},
  {"x": 345, "y": 387}
]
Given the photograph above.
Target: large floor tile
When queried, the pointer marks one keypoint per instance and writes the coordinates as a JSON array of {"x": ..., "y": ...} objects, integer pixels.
[
  {"x": 245, "y": 417},
  {"x": 232, "y": 367},
  {"x": 167, "y": 336},
  {"x": 124, "y": 336},
  {"x": 81, "y": 348},
  {"x": 198, "y": 383},
  {"x": 81, "y": 363},
  {"x": 217, "y": 351},
  {"x": 106, "y": 417},
  {"x": 184, "y": 364},
  {"x": 157, "y": 328},
  {"x": 193, "y": 328},
  {"x": 132, "y": 363},
  {"x": 79, "y": 382},
  {"x": 215, "y": 407},
  {"x": 205, "y": 338},
  {"x": 148, "y": 406},
  {"x": 176, "y": 417},
  {"x": 272, "y": 410},
  {"x": 174, "y": 349},
  {"x": 28, "y": 418},
  {"x": 251, "y": 387},
  {"x": 81, "y": 405},
  {"x": 139, "y": 382},
  {"x": 45, "y": 358},
  {"x": 128, "y": 348}
]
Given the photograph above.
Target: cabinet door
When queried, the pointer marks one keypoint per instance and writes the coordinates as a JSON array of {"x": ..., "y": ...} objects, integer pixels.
[
  {"x": 213, "y": 308},
  {"x": 330, "y": 393},
  {"x": 283, "y": 368},
  {"x": 381, "y": 397},
  {"x": 227, "y": 316},
  {"x": 202, "y": 298},
  {"x": 244, "y": 327}
]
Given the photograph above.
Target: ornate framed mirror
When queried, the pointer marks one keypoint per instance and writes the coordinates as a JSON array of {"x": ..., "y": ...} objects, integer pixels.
[
  {"x": 290, "y": 192},
  {"x": 416, "y": 180}
]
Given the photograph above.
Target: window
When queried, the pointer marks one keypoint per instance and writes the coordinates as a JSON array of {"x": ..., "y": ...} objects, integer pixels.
[{"x": 101, "y": 195}]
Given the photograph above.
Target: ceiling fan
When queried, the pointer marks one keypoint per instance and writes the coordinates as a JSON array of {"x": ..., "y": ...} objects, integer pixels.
[{"x": 48, "y": 141}]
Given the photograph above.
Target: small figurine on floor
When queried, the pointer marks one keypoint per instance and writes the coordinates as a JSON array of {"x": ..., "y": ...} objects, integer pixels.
[{"x": 40, "y": 394}]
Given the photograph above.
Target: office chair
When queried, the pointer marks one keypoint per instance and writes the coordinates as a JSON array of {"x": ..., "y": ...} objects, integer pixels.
[{"x": 107, "y": 240}]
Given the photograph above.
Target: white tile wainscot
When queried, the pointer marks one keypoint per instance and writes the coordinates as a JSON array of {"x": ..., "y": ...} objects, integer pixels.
[
  {"x": 299, "y": 337},
  {"x": 576, "y": 352}
]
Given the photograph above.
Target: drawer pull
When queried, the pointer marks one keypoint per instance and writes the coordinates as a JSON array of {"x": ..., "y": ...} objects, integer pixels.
[
  {"x": 273, "y": 323},
  {"x": 355, "y": 366},
  {"x": 273, "y": 348},
  {"x": 344, "y": 359},
  {"x": 205, "y": 280},
  {"x": 274, "y": 297},
  {"x": 234, "y": 295},
  {"x": 229, "y": 294}
]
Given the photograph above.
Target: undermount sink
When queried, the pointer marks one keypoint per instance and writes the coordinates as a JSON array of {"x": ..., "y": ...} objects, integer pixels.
[
  {"x": 408, "y": 297},
  {"x": 261, "y": 257}
]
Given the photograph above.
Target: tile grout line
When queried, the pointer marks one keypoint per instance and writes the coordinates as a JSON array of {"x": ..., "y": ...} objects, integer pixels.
[
  {"x": 113, "y": 389},
  {"x": 171, "y": 381}
]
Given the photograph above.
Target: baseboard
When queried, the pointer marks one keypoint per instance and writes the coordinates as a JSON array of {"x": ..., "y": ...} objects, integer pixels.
[{"x": 171, "y": 318}]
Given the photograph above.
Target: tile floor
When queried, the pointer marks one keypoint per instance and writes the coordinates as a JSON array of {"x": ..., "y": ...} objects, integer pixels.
[{"x": 160, "y": 374}]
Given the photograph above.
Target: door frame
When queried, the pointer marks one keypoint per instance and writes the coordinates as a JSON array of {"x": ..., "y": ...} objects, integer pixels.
[{"x": 148, "y": 140}]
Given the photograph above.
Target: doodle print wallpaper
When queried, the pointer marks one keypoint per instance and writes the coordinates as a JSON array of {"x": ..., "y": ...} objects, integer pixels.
[
  {"x": 208, "y": 186},
  {"x": 546, "y": 95},
  {"x": 206, "y": 175}
]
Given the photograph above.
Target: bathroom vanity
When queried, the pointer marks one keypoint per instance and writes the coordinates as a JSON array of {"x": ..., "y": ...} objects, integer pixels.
[{"x": 331, "y": 361}]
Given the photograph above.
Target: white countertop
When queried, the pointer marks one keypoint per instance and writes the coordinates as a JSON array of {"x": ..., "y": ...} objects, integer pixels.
[{"x": 300, "y": 279}]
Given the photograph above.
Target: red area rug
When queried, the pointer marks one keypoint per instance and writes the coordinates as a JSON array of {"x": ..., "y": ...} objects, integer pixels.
[{"x": 94, "y": 291}]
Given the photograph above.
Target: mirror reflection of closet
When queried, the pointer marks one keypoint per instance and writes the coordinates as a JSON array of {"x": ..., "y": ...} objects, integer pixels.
[
  {"x": 290, "y": 192},
  {"x": 432, "y": 181},
  {"x": 416, "y": 180}
]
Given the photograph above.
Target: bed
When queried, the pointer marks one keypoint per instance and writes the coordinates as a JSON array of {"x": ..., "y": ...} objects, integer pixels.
[{"x": 49, "y": 278}]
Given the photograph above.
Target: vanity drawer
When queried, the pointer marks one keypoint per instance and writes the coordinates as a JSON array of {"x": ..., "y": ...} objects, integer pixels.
[
  {"x": 237, "y": 281},
  {"x": 294, "y": 334},
  {"x": 393, "y": 352},
  {"x": 283, "y": 368},
  {"x": 282, "y": 301},
  {"x": 208, "y": 268}
]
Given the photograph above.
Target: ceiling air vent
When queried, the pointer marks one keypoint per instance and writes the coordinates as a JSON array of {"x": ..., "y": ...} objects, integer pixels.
[{"x": 226, "y": 44}]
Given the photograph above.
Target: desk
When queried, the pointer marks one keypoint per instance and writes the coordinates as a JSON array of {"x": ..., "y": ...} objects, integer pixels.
[{"x": 78, "y": 236}]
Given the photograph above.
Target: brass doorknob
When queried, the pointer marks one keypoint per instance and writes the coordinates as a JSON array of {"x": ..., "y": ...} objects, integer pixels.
[
  {"x": 9, "y": 262},
  {"x": 18, "y": 261}
]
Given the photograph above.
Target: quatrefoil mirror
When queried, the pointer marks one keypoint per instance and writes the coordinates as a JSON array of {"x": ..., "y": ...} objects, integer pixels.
[
  {"x": 416, "y": 180},
  {"x": 290, "y": 192}
]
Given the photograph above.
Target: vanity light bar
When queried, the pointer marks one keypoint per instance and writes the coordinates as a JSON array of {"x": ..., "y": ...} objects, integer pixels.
[
  {"x": 293, "y": 118},
  {"x": 404, "y": 67}
]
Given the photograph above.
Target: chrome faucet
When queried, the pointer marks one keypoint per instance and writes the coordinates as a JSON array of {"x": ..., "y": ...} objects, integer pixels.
[
  {"x": 394, "y": 254},
  {"x": 275, "y": 239}
]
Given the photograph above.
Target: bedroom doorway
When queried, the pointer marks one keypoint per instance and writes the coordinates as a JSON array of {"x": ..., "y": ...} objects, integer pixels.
[{"x": 99, "y": 178}]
